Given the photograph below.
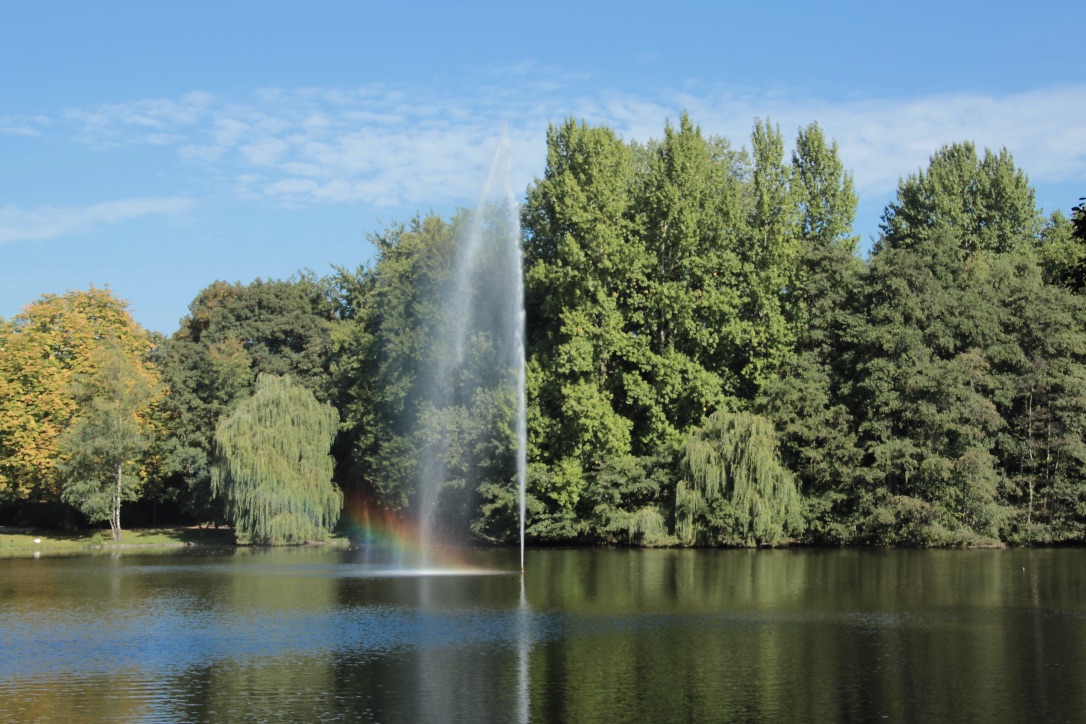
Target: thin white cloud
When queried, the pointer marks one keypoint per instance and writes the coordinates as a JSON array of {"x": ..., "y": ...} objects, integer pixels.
[
  {"x": 29, "y": 127},
  {"x": 11, "y": 128},
  {"x": 50, "y": 222},
  {"x": 393, "y": 146},
  {"x": 884, "y": 139}
]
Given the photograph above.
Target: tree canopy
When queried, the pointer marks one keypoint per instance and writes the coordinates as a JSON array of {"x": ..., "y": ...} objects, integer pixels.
[
  {"x": 987, "y": 200},
  {"x": 43, "y": 349},
  {"x": 233, "y": 333}
]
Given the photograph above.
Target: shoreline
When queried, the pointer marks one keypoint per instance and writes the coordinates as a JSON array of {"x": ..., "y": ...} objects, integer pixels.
[{"x": 18, "y": 542}]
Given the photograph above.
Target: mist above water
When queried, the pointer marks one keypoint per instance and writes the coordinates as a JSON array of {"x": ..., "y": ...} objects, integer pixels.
[{"x": 481, "y": 340}]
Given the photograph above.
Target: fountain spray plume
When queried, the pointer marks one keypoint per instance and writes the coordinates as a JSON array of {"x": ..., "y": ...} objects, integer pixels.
[{"x": 481, "y": 344}]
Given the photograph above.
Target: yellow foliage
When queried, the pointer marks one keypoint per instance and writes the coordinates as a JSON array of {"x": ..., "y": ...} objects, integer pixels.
[{"x": 42, "y": 349}]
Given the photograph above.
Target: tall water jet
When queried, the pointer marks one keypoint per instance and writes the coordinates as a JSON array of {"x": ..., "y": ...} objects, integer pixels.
[{"x": 479, "y": 359}]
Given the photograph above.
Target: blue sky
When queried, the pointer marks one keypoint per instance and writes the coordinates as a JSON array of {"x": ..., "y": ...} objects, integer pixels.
[{"x": 157, "y": 147}]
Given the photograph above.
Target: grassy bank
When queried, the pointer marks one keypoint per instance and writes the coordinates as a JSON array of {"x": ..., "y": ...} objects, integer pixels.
[
  {"x": 17, "y": 541},
  {"x": 29, "y": 541}
]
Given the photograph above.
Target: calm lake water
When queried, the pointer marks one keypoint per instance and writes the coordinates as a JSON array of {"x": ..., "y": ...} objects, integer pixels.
[{"x": 318, "y": 634}]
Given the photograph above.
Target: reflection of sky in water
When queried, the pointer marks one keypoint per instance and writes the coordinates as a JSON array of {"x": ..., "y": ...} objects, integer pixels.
[
  {"x": 164, "y": 637},
  {"x": 166, "y": 634}
]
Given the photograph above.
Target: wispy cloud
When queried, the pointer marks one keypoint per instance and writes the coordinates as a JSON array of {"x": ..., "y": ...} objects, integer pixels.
[
  {"x": 50, "y": 222},
  {"x": 393, "y": 146},
  {"x": 155, "y": 121},
  {"x": 880, "y": 139},
  {"x": 27, "y": 126}
]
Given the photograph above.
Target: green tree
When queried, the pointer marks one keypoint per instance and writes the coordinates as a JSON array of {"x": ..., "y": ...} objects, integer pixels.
[
  {"x": 735, "y": 490},
  {"x": 273, "y": 468},
  {"x": 100, "y": 452},
  {"x": 967, "y": 377},
  {"x": 582, "y": 267},
  {"x": 828, "y": 268},
  {"x": 923, "y": 397},
  {"x": 234, "y": 332},
  {"x": 688, "y": 339},
  {"x": 986, "y": 202},
  {"x": 382, "y": 356},
  {"x": 664, "y": 282},
  {"x": 770, "y": 251},
  {"x": 808, "y": 405},
  {"x": 432, "y": 432},
  {"x": 806, "y": 398},
  {"x": 1040, "y": 374},
  {"x": 1063, "y": 249}
]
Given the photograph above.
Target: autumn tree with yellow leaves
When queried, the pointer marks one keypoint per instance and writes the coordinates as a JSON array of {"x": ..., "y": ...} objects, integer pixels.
[{"x": 44, "y": 350}]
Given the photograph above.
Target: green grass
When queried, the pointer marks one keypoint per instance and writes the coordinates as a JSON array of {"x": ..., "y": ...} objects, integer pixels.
[
  {"x": 15, "y": 541},
  {"x": 21, "y": 541}
]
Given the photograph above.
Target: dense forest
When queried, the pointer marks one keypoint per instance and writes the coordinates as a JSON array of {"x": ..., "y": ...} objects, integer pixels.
[{"x": 710, "y": 362}]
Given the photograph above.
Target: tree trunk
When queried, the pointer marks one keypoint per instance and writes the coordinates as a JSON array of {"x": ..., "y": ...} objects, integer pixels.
[
  {"x": 115, "y": 522},
  {"x": 1029, "y": 508}
]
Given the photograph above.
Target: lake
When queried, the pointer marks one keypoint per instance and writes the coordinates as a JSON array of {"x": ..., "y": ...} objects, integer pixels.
[{"x": 323, "y": 634}]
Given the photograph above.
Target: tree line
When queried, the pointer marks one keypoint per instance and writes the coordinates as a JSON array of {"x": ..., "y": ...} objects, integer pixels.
[{"x": 710, "y": 362}]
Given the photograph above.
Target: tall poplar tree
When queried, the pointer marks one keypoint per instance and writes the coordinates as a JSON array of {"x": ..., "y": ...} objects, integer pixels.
[
  {"x": 827, "y": 266},
  {"x": 806, "y": 399},
  {"x": 689, "y": 340},
  {"x": 771, "y": 261},
  {"x": 584, "y": 272},
  {"x": 986, "y": 202}
]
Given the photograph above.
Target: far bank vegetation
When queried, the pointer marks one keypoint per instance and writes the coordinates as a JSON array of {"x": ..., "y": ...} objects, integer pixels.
[{"x": 711, "y": 362}]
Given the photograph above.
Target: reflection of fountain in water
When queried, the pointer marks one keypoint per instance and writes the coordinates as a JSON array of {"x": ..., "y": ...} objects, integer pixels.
[
  {"x": 482, "y": 309},
  {"x": 524, "y": 647},
  {"x": 472, "y": 662}
]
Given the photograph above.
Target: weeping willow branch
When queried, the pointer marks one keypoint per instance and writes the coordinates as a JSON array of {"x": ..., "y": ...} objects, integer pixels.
[
  {"x": 735, "y": 485},
  {"x": 273, "y": 468}
]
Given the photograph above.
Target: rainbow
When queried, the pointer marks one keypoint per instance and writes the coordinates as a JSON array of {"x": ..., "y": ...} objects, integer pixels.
[{"x": 391, "y": 539}]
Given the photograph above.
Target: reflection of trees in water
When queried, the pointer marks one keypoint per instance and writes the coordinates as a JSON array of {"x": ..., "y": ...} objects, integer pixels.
[
  {"x": 805, "y": 636},
  {"x": 107, "y": 694},
  {"x": 270, "y": 599},
  {"x": 615, "y": 635}
]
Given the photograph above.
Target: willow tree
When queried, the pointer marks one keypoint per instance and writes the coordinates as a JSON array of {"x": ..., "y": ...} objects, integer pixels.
[
  {"x": 232, "y": 333},
  {"x": 273, "y": 468},
  {"x": 735, "y": 489}
]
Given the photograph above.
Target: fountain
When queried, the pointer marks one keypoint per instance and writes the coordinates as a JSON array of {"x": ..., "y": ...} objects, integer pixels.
[{"x": 481, "y": 337}]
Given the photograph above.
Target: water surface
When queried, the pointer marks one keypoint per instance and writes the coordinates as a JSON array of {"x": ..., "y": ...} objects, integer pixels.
[{"x": 321, "y": 634}]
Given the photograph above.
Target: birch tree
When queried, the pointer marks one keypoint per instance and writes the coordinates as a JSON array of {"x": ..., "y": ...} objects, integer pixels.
[{"x": 101, "y": 450}]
